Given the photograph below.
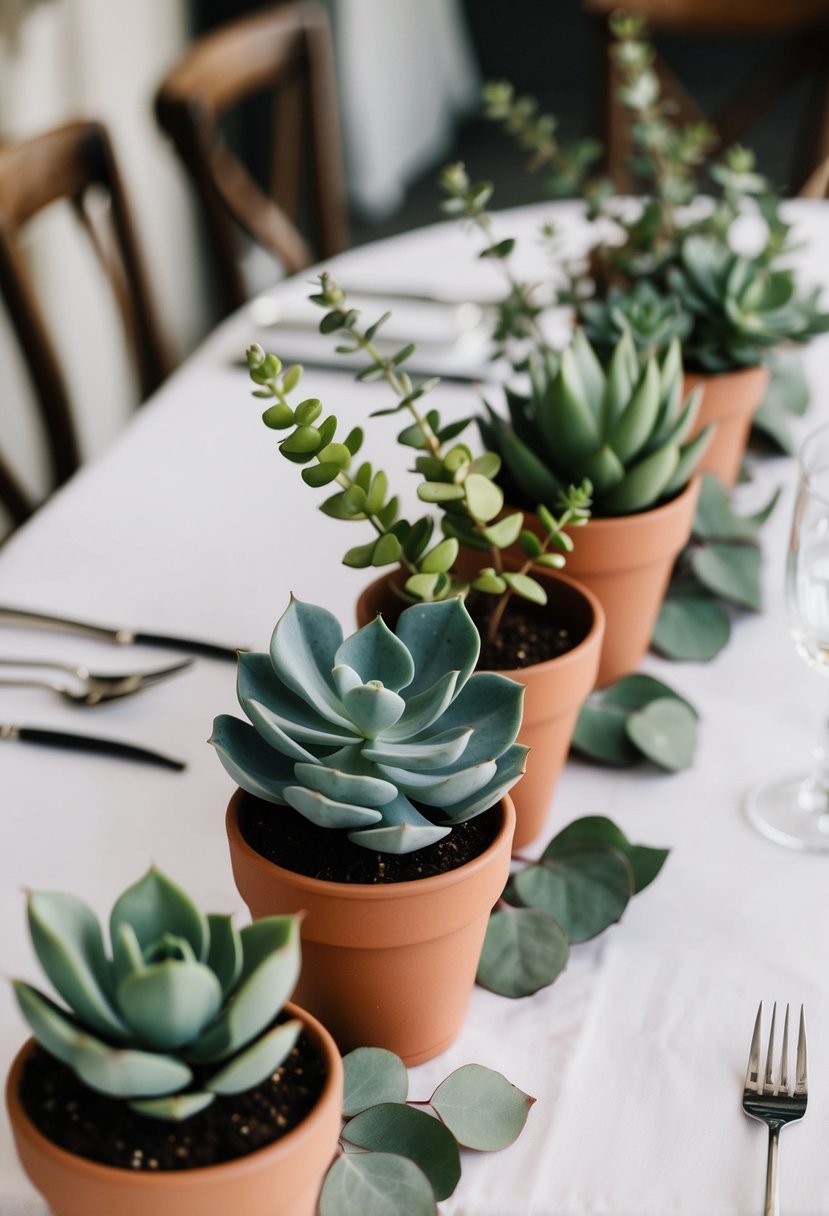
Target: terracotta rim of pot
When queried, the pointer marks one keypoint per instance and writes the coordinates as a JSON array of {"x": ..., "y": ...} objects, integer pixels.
[
  {"x": 372, "y": 891},
  {"x": 256, "y": 1161},
  {"x": 732, "y": 398}
]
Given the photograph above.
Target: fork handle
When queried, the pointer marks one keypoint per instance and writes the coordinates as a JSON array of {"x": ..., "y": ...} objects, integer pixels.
[{"x": 772, "y": 1207}]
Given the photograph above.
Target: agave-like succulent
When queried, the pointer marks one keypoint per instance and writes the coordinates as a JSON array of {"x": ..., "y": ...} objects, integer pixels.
[
  {"x": 741, "y": 306},
  {"x": 181, "y": 991},
  {"x": 652, "y": 318},
  {"x": 625, "y": 430},
  {"x": 355, "y": 733}
]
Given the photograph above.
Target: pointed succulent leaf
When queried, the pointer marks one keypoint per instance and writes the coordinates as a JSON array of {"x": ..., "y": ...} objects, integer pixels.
[
  {"x": 527, "y": 468},
  {"x": 266, "y": 725},
  {"x": 270, "y": 969},
  {"x": 127, "y": 955},
  {"x": 373, "y": 708},
  {"x": 423, "y": 586},
  {"x": 67, "y": 939},
  {"x": 644, "y": 483},
  {"x": 257, "y": 681},
  {"x": 169, "y": 1004},
  {"x": 224, "y": 957},
  {"x": 509, "y": 768},
  {"x": 621, "y": 377},
  {"x": 155, "y": 906},
  {"x": 375, "y": 653},
  {"x": 689, "y": 457},
  {"x": 566, "y": 423},
  {"x": 402, "y": 829},
  {"x": 590, "y": 371},
  {"x": 436, "y": 789},
  {"x": 438, "y": 637},
  {"x": 52, "y": 1027},
  {"x": 345, "y": 678},
  {"x": 257, "y": 1062},
  {"x": 423, "y": 709},
  {"x": 173, "y": 1109},
  {"x": 329, "y": 812},
  {"x": 436, "y": 752},
  {"x": 249, "y": 760},
  {"x": 339, "y": 786},
  {"x": 494, "y": 704},
  {"x": 124, "y": 1072},
  {"x": 636, "y": 421},
  {"x": 303, "y": 646},
  {"x": 604, "y": 469}
]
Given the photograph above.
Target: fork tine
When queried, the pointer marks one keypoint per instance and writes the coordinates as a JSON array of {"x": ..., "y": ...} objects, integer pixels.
[
  {"x": 783, "y": 1086},
  {"x": 768, "y": 1084},
  {"x": 753, "y": 1070},
  {"x": 163, "y": 673},
  {"x": 800, "y": 1074}
]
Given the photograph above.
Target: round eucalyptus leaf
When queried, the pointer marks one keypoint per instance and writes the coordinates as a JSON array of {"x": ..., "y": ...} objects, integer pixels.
[
  {"x": 524, "y": 950},
  {"x": 393, "y": 1127},
  {"x": 585, "y": 890},
  {"x": 600, "y": 735},
  {"x": 373, "y": 1075},
  {"x": 732, "y": 571},
  {"x": 637, "y": 690},
  {"x": 481, "y": 1108},
  {"x": 376, "y": 1184},
  {"x": 666, "y": 732},
  {"x": 596, "y": 831},
  {"x": 691, "y": 628}
]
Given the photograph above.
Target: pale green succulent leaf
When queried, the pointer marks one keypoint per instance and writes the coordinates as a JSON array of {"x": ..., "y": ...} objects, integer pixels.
[
  {"x": 303, "y": 648},
  {"x": 267, "y": 726},
  {"x": 249, "y": 760},
  {"x": 605, "y": 469},
  {"x": 444, "y": 791},
  {"x": 257, "y": 681},
  {"x": 621, "y": 377},
  {"x": 402, "y": 829},
  {"x": 52, "y": 1027},
  {"x": 494, "y": 704},
  {"x": 125, "y": 1072},
  {"x": 424, "y": 708},
  {"x": 168, "y": 1004},
  {"x": 328, "y": 812},
  {"x": 566, "y": 422},
  {"x": 224, "y": 956},
  {"x": 68, "y": 942},
  {"x": 373, "y": 708},
  {"x": 689, "y": 457},
  {"x": 155, "y": 906},
  {"x": 527, "y": 587},
  {"x": 483, "y": 497},
  {"x": 509, "y": 768},
  {"x": 173, "y": 1109},
  {"x": 345, "y": 678},
  {"x": 590, "y": 371},
  {"x": 505, "y": 532},
  {"x": 360, "y": 789},
  {"x": 439, "y": 636},
  {"x": 636, "y": 422},
  {"x": 436, "y": 752},
  {"x": 257, "y": 1062},
  {"x": 527, "y": 468},
  {"x": 441, "y": 558},
  {"x": 375, "y": 653},
  {"x": 127, "y": 956},
  {"x": 644, "y": 483}
]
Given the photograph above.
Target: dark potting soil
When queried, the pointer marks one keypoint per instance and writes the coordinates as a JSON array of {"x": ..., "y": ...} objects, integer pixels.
[
  {"x": 288, "y": 839},
  {"x": 528, "y": 633},
  {"x": 105, "y": 1130}
]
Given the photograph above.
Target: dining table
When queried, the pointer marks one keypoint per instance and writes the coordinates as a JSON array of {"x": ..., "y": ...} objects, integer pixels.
[{"x": 192, "y": 523}]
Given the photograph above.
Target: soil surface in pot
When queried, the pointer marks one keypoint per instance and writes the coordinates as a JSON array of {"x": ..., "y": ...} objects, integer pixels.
[
  {"x": 528, "y": 633},
  {"x": 105, "y": 1130},
  {"x": 288, "y": 839}
]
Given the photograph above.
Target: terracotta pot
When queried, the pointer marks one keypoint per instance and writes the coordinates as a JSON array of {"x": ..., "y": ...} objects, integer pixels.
[
  {"x": 283, "y": 1179},
  {"x": 730, "y": 399},
  {"x": 626, "y": 562},
  {"x": 387, "y": 964},
  {"x": 555, "y": 692}
]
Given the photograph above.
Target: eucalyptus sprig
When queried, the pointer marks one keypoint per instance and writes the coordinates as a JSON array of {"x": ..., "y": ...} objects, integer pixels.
[
  {"x": 458, "y": 483},
  {"x": 578, "y": 887},
  {"x": 413, "y": 1157}
]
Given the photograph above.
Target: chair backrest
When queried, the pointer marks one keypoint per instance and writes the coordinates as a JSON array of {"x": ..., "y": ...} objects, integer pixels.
[
  {"x": 798, "y": 36},
  {"x": 64, "y": 164},
  {"x": 286, "y": 51}
]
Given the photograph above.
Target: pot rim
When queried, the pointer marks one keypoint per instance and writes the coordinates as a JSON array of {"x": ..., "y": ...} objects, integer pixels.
[
  {"x": 736, "y": 373},
  {"x": 367, "y": 890},
  {"x": 114, "y": 1175}
]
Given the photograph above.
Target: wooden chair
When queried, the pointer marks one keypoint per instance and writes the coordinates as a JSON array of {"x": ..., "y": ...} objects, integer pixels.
[
  {"x": 65, "y": 164},
  {"x": 288, "y": 52},
  {"x": 798, "y": 36}
]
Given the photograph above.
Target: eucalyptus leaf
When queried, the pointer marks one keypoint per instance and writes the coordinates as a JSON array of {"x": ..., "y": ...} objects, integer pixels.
[
  {"x": 666, "y": 732},
  {"x": 373, "y": 1075},
  {"x": 583, "y": 889},
  {"x": 393, "y": 1127},
  {"x": 731, "y": 571},
  {"x": 691, "y": 628},
  {"x": 376, "y": 1184},
  {"x": 524, "y": 950},
  {"x": 481, "y": 1108},
  {"x": 595, "y": 831}
]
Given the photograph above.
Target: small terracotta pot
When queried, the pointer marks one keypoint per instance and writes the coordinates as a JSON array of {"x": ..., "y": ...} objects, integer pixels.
[
  {"x": 729, "y": 399},
  {"x": 283, "y": 1179},
  {"x": 555, "y": 692},
  {"x": 626, "y": 562},
  {"x": 383, "y": 964}
]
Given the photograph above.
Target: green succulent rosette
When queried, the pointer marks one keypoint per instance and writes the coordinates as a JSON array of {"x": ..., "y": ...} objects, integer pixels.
[
  {"x": 364, "y": 733},
  {"x": 180, "y": 992}
]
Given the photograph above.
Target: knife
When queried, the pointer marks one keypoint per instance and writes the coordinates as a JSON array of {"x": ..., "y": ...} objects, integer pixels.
[
  {"x": 122, "y": 637},
  {"x": 89, "y": 743}
]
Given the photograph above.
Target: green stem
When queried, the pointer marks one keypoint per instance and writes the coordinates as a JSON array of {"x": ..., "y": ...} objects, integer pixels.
[{"x": 501, "y": 606}]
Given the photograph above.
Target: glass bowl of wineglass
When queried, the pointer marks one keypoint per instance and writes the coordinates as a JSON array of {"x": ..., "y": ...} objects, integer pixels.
[{"x": 794, "y": 811}]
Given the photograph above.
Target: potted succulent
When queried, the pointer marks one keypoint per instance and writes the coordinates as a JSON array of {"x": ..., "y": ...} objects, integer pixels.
[
  {"x": 729, "y": 306},
  {"x": 175, "y": 1080},
  {"x": 373, "y": 775},
  {"x": 537, "y": 626},
  {"x": 627, "y": 429}
]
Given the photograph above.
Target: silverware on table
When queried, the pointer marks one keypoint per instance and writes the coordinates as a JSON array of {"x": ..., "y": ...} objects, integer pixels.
[
  {"x": 774, "y": 1102},
  {"x": 89, "y": 688},
  {"x": 89, "y": 743},
  {"x": 334, "y": 363},
  {"x": 122, "y": 637}
]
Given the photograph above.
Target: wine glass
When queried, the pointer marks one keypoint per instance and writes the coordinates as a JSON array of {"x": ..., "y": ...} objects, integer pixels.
[{"x": 794, "y": 811}]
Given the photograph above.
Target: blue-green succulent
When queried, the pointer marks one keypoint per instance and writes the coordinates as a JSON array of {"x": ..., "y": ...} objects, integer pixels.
[
  {"x": 356, "y": 734},
  {"x": 181, "y": 992}
]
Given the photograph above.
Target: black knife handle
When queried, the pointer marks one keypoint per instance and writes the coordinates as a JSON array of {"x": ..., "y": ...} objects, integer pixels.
[{"x": 93, "y": 743}]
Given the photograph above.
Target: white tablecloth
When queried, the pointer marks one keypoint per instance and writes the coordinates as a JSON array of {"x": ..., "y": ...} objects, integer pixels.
[{"x": 193, "y": 522}]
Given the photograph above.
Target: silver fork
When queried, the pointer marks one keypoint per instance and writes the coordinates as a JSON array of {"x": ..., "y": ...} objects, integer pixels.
[
  {"x": 773, "y": 1102},
  {"x": 92, "y": 688}
]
